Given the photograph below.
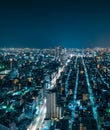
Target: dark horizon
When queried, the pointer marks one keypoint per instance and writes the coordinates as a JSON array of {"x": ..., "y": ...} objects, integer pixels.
[{"x": 46, "y": 23}]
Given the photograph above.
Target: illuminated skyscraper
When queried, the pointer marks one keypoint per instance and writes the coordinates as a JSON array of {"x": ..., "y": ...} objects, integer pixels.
[{"x": 58, "y": 52}]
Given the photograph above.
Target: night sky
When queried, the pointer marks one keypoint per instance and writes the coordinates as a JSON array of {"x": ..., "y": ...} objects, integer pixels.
[{"x": 48, "y": 23}]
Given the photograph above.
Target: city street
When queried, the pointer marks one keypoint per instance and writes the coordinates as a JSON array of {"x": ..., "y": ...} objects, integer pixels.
[{"x": 66, "y": 90}]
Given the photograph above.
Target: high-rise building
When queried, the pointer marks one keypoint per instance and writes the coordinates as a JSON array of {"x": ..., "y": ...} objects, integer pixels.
[
  {"x": 53, "y": 111},
  {"x": 58, "y": 51}
]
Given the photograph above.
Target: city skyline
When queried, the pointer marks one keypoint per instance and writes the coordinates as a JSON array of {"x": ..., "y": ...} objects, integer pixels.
[
  {"x": 46, "y": 24},
  {"x": 48, "y": 89}
]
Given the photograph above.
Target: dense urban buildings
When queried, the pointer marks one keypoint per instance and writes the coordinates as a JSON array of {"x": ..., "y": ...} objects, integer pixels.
[{"x": 54, "y": 89}]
